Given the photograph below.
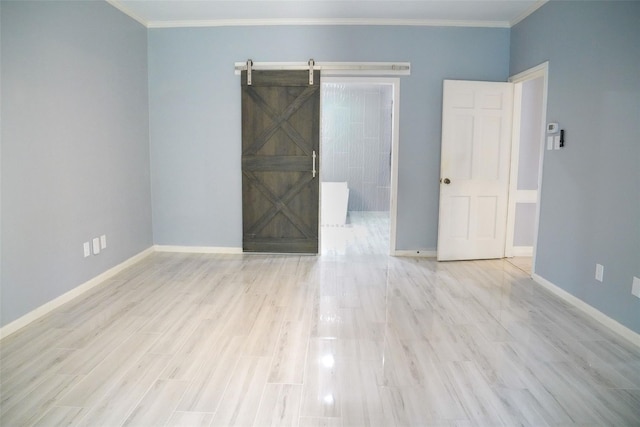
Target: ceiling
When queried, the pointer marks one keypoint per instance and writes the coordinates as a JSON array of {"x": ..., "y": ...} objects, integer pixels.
[{"x": 197, "y": 13}]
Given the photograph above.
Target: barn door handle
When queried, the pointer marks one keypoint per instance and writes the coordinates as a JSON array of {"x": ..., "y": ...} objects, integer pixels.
[{"x": 313, "y": 163}]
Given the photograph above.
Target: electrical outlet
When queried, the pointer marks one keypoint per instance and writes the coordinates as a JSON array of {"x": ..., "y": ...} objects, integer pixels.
[
  {"x": 96, "y": 245},
  {"x": 599, "y": 272},
  {"x": 103, "y": 241},
  {"x": 87, "y": 249},
  {"x": 635, "y": 287}
]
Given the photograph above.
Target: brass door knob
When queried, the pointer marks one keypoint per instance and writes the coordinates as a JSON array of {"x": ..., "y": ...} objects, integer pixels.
[{"x": 447, "y": 181}]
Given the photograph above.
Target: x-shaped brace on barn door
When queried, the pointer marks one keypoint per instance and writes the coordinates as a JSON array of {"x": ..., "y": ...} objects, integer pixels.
[
  {"x": 280, "y": 121},
  {"x": 280, "y": 205}
]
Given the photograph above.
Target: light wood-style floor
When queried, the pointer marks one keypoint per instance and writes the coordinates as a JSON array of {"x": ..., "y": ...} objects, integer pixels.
[{"x": 351, "y": 340}]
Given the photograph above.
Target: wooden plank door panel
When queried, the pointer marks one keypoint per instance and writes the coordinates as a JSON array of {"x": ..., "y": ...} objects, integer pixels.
[{"x": 280, "y": 134}]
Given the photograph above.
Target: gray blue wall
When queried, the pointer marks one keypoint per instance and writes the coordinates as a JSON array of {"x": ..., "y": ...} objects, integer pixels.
[
  {"x": 590, "y": 208},
  {"x": 194, "y": 101},
  {"x": 75, "y": 146}
]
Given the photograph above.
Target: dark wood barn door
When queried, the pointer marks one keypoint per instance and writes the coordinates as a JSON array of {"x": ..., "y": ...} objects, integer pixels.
[{"x": 280, "y": 175}]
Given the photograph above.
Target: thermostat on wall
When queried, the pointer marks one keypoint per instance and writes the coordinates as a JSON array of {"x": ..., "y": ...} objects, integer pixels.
[{"x": 552, "y": 128}]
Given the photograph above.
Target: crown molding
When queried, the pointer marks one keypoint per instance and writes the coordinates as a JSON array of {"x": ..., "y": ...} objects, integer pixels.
[
  {"x": 326, "y": 22},
  {"x": 323, "y": 21},
  {"x": 124, "y": 9},
  {"x": 532, "y": 9}
]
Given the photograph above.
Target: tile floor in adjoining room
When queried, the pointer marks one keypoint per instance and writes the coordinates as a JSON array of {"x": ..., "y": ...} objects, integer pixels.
[
  {"x": 365, "y": 233},
  {"x": 339, "y": 340}
]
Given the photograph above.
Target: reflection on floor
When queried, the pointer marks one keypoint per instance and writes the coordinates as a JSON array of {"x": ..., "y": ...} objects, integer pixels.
[
  {"x": 364, "y": 233},
  {"x": 226, "y": 340},
  {"x": 524, "y": 263}
]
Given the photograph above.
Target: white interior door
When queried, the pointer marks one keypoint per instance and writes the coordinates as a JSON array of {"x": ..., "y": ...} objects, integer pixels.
[{"x": 474, "y": 169}]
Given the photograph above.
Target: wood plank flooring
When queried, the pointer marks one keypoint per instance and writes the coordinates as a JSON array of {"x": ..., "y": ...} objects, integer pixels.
[{"x": 348, "y": 340}]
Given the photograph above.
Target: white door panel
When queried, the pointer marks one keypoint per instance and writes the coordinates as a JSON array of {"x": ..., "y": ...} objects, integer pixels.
[{"x": 476, "y": 135}]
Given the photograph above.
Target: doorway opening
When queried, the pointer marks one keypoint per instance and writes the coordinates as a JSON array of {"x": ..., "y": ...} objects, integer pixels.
[
  {"x": 527, "y": 153},
  {"x": 358, "y": 157}
]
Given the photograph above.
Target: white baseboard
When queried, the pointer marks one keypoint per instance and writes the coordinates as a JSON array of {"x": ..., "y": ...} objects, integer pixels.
[
  {"x": 419, "y": 253},
  {"x": 46, "y": 308},
  {"x": 523, "y": 251},
  {"x": 596, "y": 314},
  {"x": 198, "y": 249}
]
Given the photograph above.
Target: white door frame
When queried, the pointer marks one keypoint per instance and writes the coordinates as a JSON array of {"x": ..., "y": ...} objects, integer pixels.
[
  {"x": 394, "y": 82},
  {"x": 539, "y": 71}
]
